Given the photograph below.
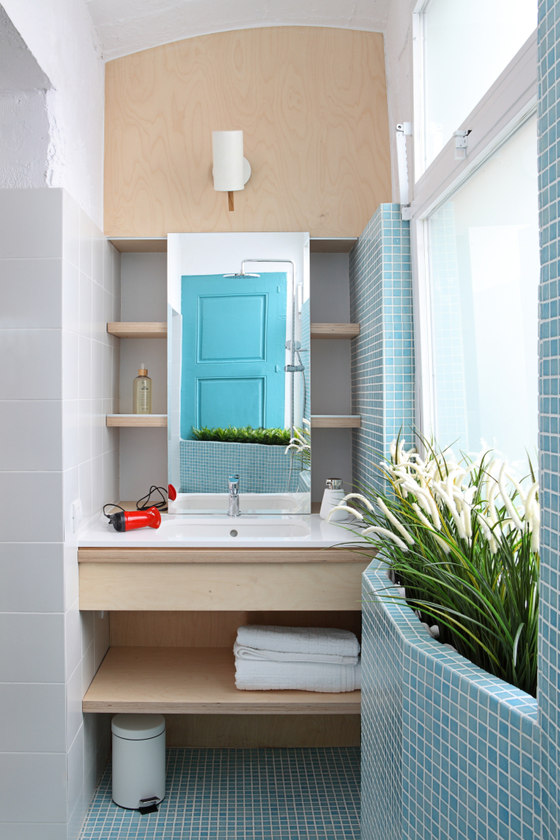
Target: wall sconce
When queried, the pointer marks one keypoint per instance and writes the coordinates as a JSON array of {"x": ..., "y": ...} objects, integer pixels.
[{"x": 230, "y": 169}]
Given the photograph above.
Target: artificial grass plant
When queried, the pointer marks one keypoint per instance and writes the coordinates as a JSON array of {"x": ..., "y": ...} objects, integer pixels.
[{"x": 462, "y": 539}]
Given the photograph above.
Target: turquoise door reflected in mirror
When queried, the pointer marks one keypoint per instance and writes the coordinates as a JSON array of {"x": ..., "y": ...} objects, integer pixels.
[{"x": 234, "y": 336}]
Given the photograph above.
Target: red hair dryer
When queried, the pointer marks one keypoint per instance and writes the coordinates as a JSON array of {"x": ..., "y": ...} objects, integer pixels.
[{"x": 127, "y": 520}]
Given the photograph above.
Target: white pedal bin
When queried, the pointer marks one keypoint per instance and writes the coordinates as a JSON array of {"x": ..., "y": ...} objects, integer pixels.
[{"x": 138, "y": 759}]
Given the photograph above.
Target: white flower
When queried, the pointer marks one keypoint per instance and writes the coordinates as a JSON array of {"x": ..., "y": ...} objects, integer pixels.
[
  {"x": 513, "y": 515},
  {"x": 395, "y": 522},
  {"x": 355, "y": 513},
  {"x": 362, "y": 499},
  {"x": 384, "y": 532}
]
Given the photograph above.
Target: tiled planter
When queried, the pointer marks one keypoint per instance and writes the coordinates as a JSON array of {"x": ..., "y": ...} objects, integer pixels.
[{"x": 448, "y": 751}]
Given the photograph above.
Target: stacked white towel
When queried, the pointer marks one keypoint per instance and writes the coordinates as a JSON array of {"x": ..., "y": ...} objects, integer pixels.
[{"x": 304, "y": 658}]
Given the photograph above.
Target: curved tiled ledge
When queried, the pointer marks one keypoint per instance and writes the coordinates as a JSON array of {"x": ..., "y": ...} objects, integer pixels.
[{"x": 444, "y": 742}]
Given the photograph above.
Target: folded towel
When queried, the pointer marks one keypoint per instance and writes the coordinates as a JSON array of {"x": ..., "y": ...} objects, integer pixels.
[
  {"x": 244, "y": 652},
  {"x": 316, "y": 640},
  {"x": 301, "y": 676}
]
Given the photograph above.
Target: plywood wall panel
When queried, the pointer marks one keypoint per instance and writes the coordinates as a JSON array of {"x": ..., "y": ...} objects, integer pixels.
[{"x": 310, "y": 101}]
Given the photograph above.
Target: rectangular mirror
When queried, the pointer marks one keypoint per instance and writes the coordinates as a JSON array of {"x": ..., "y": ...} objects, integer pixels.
[{"x": 239, "y": 373}]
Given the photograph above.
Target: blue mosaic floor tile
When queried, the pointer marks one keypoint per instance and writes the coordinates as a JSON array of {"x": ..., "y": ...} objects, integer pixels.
[{"x": 257, "y": 794}]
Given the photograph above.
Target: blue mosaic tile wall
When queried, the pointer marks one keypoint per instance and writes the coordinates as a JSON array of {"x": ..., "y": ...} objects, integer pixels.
[
  {"x": 205, "y": 466},
  {"x": 549, "y": 409},
  {"x": 383, "y": 353},
  {"x": 448, "y": 751}
]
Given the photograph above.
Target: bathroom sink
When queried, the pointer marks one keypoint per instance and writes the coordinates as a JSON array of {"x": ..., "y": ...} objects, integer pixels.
[{"x": 231, "y": 529}]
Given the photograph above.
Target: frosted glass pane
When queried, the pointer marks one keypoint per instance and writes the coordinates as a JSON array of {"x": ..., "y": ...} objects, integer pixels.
[
  {"x": 484, "y": 270},
  {"x": 466, "y": 47}
]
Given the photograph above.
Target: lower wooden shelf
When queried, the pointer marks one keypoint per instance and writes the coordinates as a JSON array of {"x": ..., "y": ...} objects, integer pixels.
[{"x": 195, "y": 681}]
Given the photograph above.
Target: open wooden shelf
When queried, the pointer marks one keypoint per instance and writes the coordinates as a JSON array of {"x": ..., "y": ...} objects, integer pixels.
[
  {"x": 158, "y": 329},
  {"x": 336, "y": 421},
  {"x": 195, "y": 681},
  {"x": 331, "y": 244},
  {"x": 137, "y": 329},
  {"x": 335, "y": 330},
  {"x": 139, "y": 244},
  {"x": 318, "y": 421},
  {"x": 136, "y": 421}
]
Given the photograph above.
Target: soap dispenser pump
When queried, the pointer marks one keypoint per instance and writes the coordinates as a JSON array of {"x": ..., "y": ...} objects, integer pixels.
[
  {"x": 333, "y": 495},
  {"x": 142, "y": 392}
]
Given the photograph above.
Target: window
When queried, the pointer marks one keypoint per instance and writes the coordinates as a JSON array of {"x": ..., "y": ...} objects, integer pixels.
[
  {"x": 483, "y": 266},
  {"x": 463, "y": 49},
  {"x": 475, "y": 226}
]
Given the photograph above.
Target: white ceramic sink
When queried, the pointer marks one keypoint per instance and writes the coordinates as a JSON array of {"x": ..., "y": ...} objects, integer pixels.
[{"x": 235, "y": 528}]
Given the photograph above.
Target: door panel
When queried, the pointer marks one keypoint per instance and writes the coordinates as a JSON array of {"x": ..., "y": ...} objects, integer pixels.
[{"x": 233, "y": 351}]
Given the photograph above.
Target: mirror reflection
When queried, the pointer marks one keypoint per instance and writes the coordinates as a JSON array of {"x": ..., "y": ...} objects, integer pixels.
[{"x": 239, "y": 385}]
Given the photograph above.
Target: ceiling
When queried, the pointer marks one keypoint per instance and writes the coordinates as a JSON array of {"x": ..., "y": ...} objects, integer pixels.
[{"x": 127, "y": 26}]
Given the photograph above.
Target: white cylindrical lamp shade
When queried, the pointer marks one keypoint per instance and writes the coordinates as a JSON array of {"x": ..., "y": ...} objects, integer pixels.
[{"x": 228, "y": 162}]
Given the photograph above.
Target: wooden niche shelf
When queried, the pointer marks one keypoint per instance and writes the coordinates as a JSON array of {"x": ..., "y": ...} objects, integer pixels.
[
  {"x": 158, "y": 329},
  {"x": 335, "y": 330},
  {"x": 137, "y": 329},
  {"x": 318, "y": 421},
  {"x": 335, "y": 421},
  {"x": 136, "y": 421}
]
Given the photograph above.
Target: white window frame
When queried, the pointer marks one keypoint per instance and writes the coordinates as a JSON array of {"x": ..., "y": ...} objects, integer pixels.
[{"x": 506, "y": 105}]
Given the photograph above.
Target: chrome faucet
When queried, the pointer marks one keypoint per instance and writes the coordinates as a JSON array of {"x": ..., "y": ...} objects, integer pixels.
[{"x": 233, "y": 506}]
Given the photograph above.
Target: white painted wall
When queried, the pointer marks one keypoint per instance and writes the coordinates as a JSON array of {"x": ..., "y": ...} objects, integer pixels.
[
  {"x": 126, "y": 26},
  {"x": 60, "y": 36}
]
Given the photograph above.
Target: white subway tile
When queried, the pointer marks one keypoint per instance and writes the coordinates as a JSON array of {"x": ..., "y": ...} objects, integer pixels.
[
  {"x": 98, "y": 249},
  {"x": 98, "y": 315},
  {"x": 84, "y": 430},
  {"x": 73, "y": 639},
  {"x": 70, "y": 296},
  {"x": 85, "y": 478},
  {"x": 71, "y": 578},
  {"x": 33, "y": 716},
  {"x": 71, "y": 231},
  {"x": 32, "y": 647},
  {"x": 77, "y": 804},
  {"x": 70, "y": 365},
  {"x": 84, "y": 326},
  {"x": 31, "y": 506},
  {"x": 87, "y": 232},
  {"x": 34, "y": 789},
  {"x": 85, "y": 366},
  {"x": 34, "y": 370},
  {"x": 70, "y": 438},
  {"x": 30, "y": 435},
  {"x": 31, "y": 224},
  {"x": 70, "y": 494},
  {"x": 32, "y": 577},
  {"x": 31, "y": 294},
  {"x": 73, "y": 705}
]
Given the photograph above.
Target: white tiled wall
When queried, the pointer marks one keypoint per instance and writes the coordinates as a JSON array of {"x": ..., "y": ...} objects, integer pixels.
[{"x": 58, "y": 286}]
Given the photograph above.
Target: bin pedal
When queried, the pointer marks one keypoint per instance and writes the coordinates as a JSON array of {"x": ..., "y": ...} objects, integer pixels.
[{"x": 149, "y": 804}]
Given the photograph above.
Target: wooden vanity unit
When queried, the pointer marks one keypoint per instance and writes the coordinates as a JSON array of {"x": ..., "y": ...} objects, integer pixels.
[{"x": 174, "y": 614}]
